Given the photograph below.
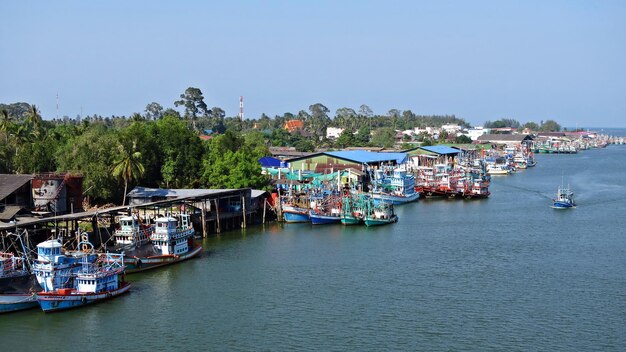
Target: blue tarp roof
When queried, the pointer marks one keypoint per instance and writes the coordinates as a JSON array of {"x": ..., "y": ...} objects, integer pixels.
[
  {"x": 268, "y": 161},
  {"x": 440, "y": 149},
  {"x": 366, "y": 157}
]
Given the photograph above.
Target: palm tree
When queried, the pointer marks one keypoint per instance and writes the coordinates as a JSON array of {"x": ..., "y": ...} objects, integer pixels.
[
  {"x": 128, "y": 167},
  {"x": 5, "y": 124},
  {"x": 33, "y": 117}
]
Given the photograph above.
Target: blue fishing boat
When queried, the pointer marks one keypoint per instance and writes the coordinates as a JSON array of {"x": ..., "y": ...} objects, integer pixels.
[
  {"x": 326, "y": 210},
  {"x": 398, "y": 188},
  {"x": 295, "y": 208},
  {"x": 320, "y": 219},
  {"x": 93, "y": 282},
  {"x": 17, "y": 285},
  {"x": 295, "y": 214},
  {"x": 564, "y": 198},
  {"x": 54, "y": 269}
]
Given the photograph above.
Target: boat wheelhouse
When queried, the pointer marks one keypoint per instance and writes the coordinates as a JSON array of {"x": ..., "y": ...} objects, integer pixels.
[
  {"x": 55, "y": 269},
  {"x": 397, "y": 188}
]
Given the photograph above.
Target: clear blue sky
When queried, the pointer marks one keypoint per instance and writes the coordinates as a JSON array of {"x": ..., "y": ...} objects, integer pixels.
[{"x": 479, "y": 60}]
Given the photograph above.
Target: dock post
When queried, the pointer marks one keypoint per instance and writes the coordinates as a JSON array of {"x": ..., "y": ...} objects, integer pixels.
[
  {"x": 217, "y": 214},
  {"x": 264, "y": 206},
  {"x": 203, "y": 218},
  {"x": 243, "y": 203}
]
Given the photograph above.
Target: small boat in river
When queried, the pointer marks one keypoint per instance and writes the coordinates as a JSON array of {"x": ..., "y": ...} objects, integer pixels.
[{"x": 564, "y": 198}]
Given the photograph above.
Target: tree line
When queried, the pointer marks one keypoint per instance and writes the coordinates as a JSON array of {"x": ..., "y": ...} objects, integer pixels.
[
  {"x": 547, "y": 126},
  {"x": 161, "y": 147}
]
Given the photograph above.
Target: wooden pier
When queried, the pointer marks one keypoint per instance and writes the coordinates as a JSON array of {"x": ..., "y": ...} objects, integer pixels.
[{"x": 213, "y": 211}]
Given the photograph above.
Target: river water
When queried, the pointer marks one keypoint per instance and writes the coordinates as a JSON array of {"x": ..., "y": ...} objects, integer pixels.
[{"x": 503, "y": 274}]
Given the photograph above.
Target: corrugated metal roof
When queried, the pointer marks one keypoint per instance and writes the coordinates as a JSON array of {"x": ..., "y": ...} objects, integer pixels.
[
  {"x": 268, "y": 161},
  {"x": 144, "y": 192},
  {"x": 366, "y": 157},
  {"x": 440, "y": 149},
  {"x": 10, "y": 183},
  {"x": 504, "y": 137},
  {"x": 7, "y": 213}
]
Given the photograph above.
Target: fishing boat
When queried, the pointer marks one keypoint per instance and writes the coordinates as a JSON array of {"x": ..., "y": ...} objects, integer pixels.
[
  {"x": 564, "y": 198},
  {"x": 380, "y": 214},
  {"x": 478, "y": 190},
  {"x": 54, "y": 269},
  {"x": 296, "y": 209},
  {"x": 353, "y": 209},
  {"x": 295, "y": 214},
  {"x": 171, "y": 241},
  {"x": 398, "y": 188},
  {"x": 325, "y": 211},
  {"x": 17, "y": 285},
  {"x": 93, "y": 282}
]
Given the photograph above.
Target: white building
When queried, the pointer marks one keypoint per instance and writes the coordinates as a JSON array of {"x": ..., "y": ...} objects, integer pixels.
[
  {"x": 451, "y": 128},
  {"x": 333, "y": 132},
  {"x": 476, "y": 132}
]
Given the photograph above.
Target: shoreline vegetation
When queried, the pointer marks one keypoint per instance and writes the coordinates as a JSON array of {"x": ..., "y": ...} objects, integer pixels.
[{"x": 201, "y": 147}]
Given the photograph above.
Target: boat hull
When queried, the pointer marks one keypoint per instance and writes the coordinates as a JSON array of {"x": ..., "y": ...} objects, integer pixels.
[
  {"x": 296, "y": 215},
  {"x": 17, "y": 301},
  {"x": 324, "y": 219},
  {"x": 351, "y": 220},
  {"x": 393, "y": 199},
  {"x": 134, "y": 265},
  {"x": 563, "y": 205},
  {"x": 378, "y": 222},
  {"x": 54, "y": 301}
]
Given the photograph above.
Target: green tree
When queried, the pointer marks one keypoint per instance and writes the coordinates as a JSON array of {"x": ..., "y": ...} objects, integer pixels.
[
  {"x": 91, "y": 153},
  {"x": 346, "y": 139},
  {"x": 319, "y": 120},
  {"x": 384, "y": 137},
  {"x": 462, "y": 139},
  {"x": 127, "y": 166},
  {"x": 550, "y": 126},
  {"x": 182, "y": 150},
  {"x": 6, "y": 124},
  {"x": 193, "y": 101},
  {"x": 533, "y": 126},
  {"x": 154, "y": 111}
]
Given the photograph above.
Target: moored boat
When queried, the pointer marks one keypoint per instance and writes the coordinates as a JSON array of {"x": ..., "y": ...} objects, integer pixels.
[
  {"x": 17, "y": 285},
  {"x": 171, "y": 241},
  {"x": 94, "y": 282},
  {"x": 399, "y": 188},
  {"x": 54, "y": 269},
  {"x": 380, "y": 214},
  {"x": 295, "y": 214}
]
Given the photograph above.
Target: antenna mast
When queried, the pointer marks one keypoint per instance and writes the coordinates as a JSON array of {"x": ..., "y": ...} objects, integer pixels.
[{"x": 241, "y": 108}]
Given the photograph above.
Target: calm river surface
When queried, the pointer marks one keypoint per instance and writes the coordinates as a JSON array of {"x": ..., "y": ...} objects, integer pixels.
[{"x": 503, "y": 274}]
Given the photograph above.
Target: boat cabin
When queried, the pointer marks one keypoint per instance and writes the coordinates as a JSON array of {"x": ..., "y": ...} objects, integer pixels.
[
  {"x": 49, "y": 251},
  {"x": 171, "y": 234}
]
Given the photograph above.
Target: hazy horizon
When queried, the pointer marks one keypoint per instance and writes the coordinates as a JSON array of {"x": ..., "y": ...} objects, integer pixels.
[{"x": 480, "y": 61}]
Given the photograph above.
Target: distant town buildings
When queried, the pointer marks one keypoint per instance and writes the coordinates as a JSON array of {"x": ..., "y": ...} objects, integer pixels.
[{"x": 333, "y": 132}]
